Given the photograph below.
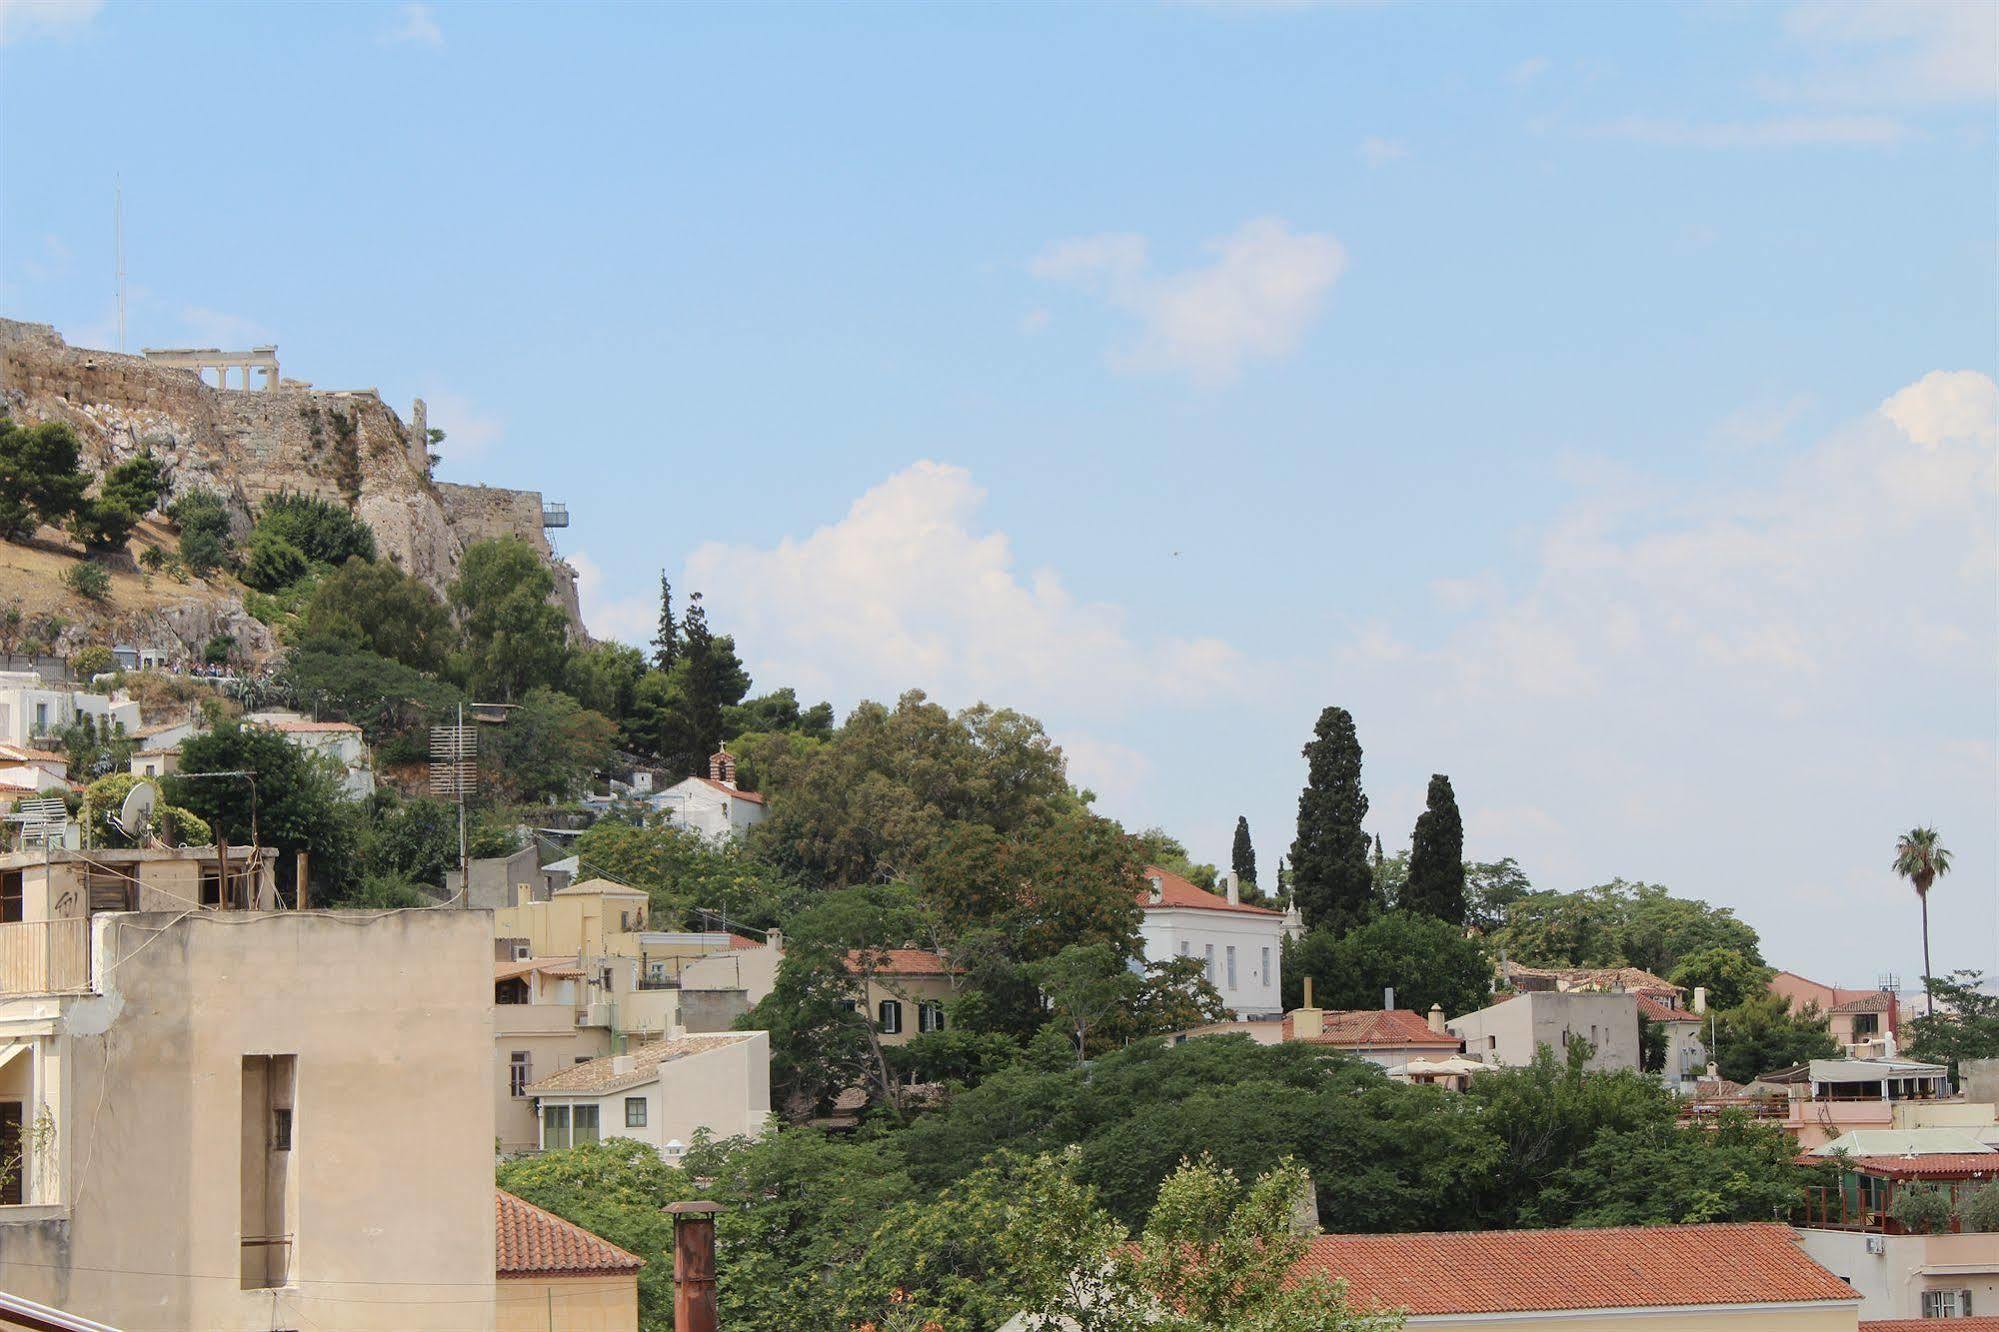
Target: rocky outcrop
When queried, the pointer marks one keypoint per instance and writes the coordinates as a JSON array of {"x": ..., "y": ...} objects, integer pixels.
[{"x": 344, "y": 446}]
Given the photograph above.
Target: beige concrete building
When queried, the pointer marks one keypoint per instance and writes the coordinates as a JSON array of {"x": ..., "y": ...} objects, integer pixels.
[
  {"x": 907, "y": 991},
  {"x": 554, "y": 1274},
  {"x": 661, "y": 1094},
  {"x": 594, "y": 918},
  {"x": 245, "y": 1119},
  {"x": 1509, "y": 1032}
]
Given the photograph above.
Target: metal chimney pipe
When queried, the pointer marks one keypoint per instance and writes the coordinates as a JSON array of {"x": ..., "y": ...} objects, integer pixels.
[{"x": 694, "y": 1266}]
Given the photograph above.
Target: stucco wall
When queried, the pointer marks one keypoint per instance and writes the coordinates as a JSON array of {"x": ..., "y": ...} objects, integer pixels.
[
  {"x": 1256, "y": 991},
  {"x": 389, "y": 1018},
  {"x": 1891, "y": 1282},
  {"x": 1508, "y": 1033},
  {"x": 570, "y": 1304}
]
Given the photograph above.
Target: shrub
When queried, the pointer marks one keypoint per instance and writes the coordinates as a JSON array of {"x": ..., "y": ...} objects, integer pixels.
[
  {"x": 87, "y": 580},
  {"x": 324, "y": 532},
  {"x": 1922, "y": 1209},
  {"x": 203, "y": 519},
  {"x": 1981, "y": 1210},
  {"x": 273, "y": 562},
  {"x": 93, "y": 660},
  {"x": 39, "y": 479},
  {"x": 154, "y": 559},
  {"x": 217, "y": 650},
  {"x": 136, "y": 484}
]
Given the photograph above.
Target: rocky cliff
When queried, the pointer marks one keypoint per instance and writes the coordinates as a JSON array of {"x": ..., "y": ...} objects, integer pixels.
[{"x": 247, "y": 445}]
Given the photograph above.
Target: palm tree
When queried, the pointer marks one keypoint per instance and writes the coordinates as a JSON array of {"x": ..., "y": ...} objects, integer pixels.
[{"x": 1921, "y": 859}]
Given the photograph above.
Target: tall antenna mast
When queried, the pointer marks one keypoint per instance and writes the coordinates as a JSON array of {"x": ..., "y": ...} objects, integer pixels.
[{"x": 118, "y": 225}]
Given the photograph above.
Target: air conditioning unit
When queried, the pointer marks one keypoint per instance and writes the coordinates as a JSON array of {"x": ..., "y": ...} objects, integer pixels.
[{"x": 1877, "y": 1244}]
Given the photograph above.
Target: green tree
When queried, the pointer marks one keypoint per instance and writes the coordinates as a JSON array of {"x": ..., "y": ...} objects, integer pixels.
[
  {"x": 136, "y": 484},
  {"x": 87, "y": 580},
  {"x": 514, "y": 637},
  {"x": 548, "y": 748},
  {"x": 1662, "y": 1174},
  {"x": 1087, "y": 986},
  {"x": 1426, "y": 960},
  {"x": 604, "y": 677},
  {"x": 205, "y": 530},
  {"x": 293, "y": 806},
  {"x": 1330, "y": 879},
  {"x": 1762, "y": 1035},
  {"x": 1725, "y": 973},
  {"x": 89, "y": 662},
  {"x": 40, "y": 482},
  {"x": 666, "y": 643},
  {"x": 415, "y": 841},
  {"x": 1436, "y": 883},
  {"x": 320, "y": 530},
  {"x": 390, "y": 702},
  {"x": 685, "y": 874},
  {"x": 379, "y": 608},
  {"x": 1491, "y": 889},
  {"x": 271, "y": 563},
  {"x": 1922, "y": 1208},
  {"x": 1967, "y": 1027},
  {"x": 706, "y": 680},
  {"x": 1242, "y": 853},
  {"x": 1981, "y": 1209},
  {"x": 103, "y": 524},
  {"x": 616, "y": 1188},
  {"x": 778, "y": 711},
  {"x": 1158, "y": 847},
  {"x": 1921, "y": 858}
]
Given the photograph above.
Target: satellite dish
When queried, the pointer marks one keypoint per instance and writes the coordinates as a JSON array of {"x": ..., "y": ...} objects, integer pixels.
[{"x": 136, "y": 814}]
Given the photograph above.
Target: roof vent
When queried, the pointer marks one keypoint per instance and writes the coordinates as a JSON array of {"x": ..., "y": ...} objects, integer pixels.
[{"x": 1158, "y": 889}]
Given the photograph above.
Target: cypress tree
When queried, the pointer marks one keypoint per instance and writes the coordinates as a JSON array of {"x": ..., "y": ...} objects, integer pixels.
[
  {"x": 1330, "y": 878},
  {"x": 666, "y": 647},
  {"x": 1242, "y": 856},
  {"x": 1436, "y": 884}
]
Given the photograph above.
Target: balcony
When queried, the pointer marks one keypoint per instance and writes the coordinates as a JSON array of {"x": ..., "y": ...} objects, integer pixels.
[{"x": 45, "y": 957}]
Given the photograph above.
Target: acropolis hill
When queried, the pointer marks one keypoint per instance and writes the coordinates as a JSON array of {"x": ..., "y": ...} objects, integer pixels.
[{"x": 254, "y": 434}]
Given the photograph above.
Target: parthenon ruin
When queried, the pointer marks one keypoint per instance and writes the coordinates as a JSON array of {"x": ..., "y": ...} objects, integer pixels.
[{"x": 199, "y": 359}]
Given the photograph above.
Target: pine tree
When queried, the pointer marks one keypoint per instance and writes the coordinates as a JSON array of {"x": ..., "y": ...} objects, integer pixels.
[
  {"x": 1242, "y": 856},
  {"x": 666, "y": 647},
  {"x": 1436, "y": 883},
  {"x": 1330, "y": 878},
  {"x": 709, "y": 678}
]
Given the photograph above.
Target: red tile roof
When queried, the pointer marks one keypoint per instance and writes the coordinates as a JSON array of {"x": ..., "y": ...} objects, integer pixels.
[
  {"x": 1653, "y": 1011},
  {"x": 1521, "y": 1271},
  {"x": 754, "y": 797},
  {"x": 1877, "y": 1002},
  {"x": 537, "y": 1243},
  {"x": 908, "y": 962},
  {"x": 1936, "y": 1165},
  {"x": 1976, "y": 1324},
  {"x": 1175, "y": 891},
  {"x": 26, "y": 755},
  {"x": 1367, "y": 1028}
]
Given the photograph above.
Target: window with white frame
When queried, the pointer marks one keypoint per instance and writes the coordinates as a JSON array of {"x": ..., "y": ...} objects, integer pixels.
[
  {"x": 1230, "y": 952},
  {"x": 1208, "y": 961},
  {"x": 1264, "y": 975},
  {"x": 930, "y": 1016},
  {"x": 1946, "y": 1304},
  {"x": 890, "y": 1017},
  {"x": 520, "y": 1066}
]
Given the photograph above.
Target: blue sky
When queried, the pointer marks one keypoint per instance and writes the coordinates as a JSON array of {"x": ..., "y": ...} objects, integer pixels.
[{"x": 1595, "y": 400}]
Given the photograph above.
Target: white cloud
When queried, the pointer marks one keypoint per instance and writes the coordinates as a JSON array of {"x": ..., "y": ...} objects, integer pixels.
[
  {"x": 1377, "y": 152},
  {"x": 1897, "y": 51},
  {"x": 416, "y": 25},
  {"x": 1528, "y": 70},
  {"x": 908, "y": 588},
  {"x": 469, "y": 432},
  {"x": 24, "y": 19},
  {"x": 1115, "y": 772},
  {"x": 632, "y": 620},
  {"x": 1255, "y": 300},
  {"x": 1785, "y": 132}
]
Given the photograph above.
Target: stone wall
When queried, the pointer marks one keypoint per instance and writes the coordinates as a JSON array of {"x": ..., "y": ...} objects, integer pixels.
[{"x": 349, "y": 447}]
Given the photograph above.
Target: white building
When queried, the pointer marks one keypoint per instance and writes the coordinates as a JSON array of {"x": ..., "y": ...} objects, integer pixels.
[
  {"x": 711, "y": 805},
  {"x": 1510, "y": 1032},
  {"x": 31, "y": 772},
  {"x": 661, "y": 1093},
  {"x": 339, "y": 741},
  {"x": 31, "y": 708},
  {"x": 1240, "y": 945}
]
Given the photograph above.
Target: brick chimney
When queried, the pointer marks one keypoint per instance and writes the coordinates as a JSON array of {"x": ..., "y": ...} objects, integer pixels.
[
  {"x": 722, "y": 767},
  {"x": 694, "y": 1266}
]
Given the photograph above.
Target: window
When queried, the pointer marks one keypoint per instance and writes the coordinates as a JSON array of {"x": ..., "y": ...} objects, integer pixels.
[
  {"x": 930, "y": 1016},
  {"x": 583, "y": 1120},
  {"x": 10, "y": 1146},
  {"x": 519, "y": 1073},
  {"x": 1865, "y": 1024},
  {"x": 41, "y": 718},
  {"x": 1208, "y": 968},
  {"x": 635, "y": 1112},
  {"x": 890, "y": 1017},
  {"x": 10, "y": 896},
  {"x": 1264, "y": 975},
  {"x": 269, "y": 1193},
  {"x": 1946, "y": 1304},
  {"x": 1183, "y": 948},
  {"x": 1230, "y": 950},
  {"x": 554, "y": 1127}
]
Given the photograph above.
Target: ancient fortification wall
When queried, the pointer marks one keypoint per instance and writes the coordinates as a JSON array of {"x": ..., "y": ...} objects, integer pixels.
[
  {"x": 248, "y": 445},
  {"x": 481, "y": 513}
]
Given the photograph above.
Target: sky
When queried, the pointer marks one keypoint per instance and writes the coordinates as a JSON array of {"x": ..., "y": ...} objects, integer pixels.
[{"x": 1597, "y": 401}]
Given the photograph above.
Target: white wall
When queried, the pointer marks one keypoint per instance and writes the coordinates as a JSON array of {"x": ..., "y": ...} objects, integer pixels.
[
  {"x": 1258, "y": 989},
  {"x": 1891, "y": 1282}
]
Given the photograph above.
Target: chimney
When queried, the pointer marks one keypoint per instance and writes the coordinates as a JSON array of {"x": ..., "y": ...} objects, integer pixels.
[
  {"x": 1700, "y": 998},
  {"x": 1307, "y": 1023},
  {"x": 1308, "y": 992},
  {"x": 1233, "y": 885},
  {"x": 1713, "y": 1070},
  {"x": 775, "y": 939},
  {"x": 1437, "y": 1018},
  {"x": 522, "y": 895},
  {"x": 1158, "y": 887},
  {"x": 1388, "y": 998},
  {"x": 694, "y": 1266}
]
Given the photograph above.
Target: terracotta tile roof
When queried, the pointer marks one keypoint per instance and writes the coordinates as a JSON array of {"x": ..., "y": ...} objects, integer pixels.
[
  {"x": 754, "y": 797},
  {"x": 559, "y": 967},
  {"x": 307, "y": 727},
  {"x": 1878, "y": 1002},
  {"x": 534, "y": 1242},
  {"x": 159, "y": 728},
  {"x": 1593, "y": 978},
  {"x": 1367, "y": 1028},
  {"x": 26, "y": 755},
  {"x": 737, "y": 942},
  {"x": 1175, "y": 891},
  {"x": 603, "y": 1075},
  {"x": 909, "y": 962},
  {"x": 1975, "y": 1324},
  {"x": 1653, "y": 1011},
  {"x": 1937, "y": 1165},
  {"x": 1520, "y": 1271}
]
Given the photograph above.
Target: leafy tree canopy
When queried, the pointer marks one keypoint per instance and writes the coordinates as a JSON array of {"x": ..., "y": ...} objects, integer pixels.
[
  {"x": 39, "y": 478},
  {"x": 1426, "y": 960},
  {"x": 1761, "y": 1035},
  {"x": 684, "y": 874},
  {"x": 1728, "y": 976},
  {"x": 1619, "y": 924},
  {"x": 380, "y": 609},
  {"x": 514, "y": 637},
  {"x": 320, "y": 530},
  {"x": 1331, "y": 880},
  {"x": 1965, "y": 1025}
]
